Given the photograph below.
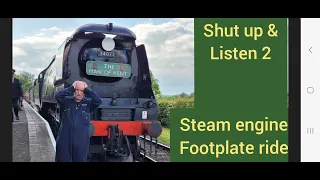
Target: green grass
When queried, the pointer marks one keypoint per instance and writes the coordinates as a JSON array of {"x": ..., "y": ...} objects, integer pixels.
[{"x": 165, "y": 135}]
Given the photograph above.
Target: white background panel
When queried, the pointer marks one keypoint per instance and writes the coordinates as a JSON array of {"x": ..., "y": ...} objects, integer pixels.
[{"x": 310, "y": 77}]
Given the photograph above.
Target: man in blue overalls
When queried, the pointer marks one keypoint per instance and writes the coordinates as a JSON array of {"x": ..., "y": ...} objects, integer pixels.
[{"x": 74, "y": 134}]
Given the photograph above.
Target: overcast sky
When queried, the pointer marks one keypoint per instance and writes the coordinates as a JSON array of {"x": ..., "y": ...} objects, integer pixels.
[{"x": 169, "y": 45}]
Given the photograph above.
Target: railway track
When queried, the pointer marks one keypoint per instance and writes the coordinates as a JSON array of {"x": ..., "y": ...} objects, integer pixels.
[{"x": 154, "y": 151}]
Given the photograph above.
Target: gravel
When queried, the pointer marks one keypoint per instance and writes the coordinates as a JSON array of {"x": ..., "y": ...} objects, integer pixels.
[{"x": 159, "y": 154}]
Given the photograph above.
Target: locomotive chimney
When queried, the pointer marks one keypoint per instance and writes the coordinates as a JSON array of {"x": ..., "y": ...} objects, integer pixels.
[{"x": 110, "y": 26}]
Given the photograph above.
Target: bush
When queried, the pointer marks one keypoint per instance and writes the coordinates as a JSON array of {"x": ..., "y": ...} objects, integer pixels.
[
  {"x": 164, "y": 113},
  {"x": 164, "y": 106}
]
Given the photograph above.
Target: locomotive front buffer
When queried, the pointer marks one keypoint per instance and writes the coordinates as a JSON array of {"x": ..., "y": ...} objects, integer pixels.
[{"x": 116, "y": 134}]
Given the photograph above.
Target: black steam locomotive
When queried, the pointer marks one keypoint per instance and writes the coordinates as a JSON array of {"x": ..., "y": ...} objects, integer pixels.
[{"x": 118, "y": 70}]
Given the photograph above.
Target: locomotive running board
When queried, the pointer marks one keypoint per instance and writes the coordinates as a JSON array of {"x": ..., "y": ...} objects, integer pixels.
[{"x": 129, "y": 128}]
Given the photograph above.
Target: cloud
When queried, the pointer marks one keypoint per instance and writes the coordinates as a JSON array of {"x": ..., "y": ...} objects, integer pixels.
[
  {"x": 169, "y": 49},
  {"x": 50, "y": 29},
  {"x": 37, "y": 49},
  {"x": 18, "y": 52}
]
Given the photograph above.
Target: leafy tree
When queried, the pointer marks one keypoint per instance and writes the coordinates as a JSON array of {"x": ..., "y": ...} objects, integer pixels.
[
  {"x": 26, "y": 79},
  {"x": 155, "y": 85},
  {"x": 27, "y": 85}
]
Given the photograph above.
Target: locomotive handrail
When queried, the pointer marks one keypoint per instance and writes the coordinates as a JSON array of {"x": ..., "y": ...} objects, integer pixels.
[{"x": 105, "y": 29}]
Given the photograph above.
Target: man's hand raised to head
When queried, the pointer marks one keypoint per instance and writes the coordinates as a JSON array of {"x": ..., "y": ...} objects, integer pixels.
[
  {"x": 85, "y": 84},
  {"x": 82, "y": 82},
  {"x": 74, "y": 84}
]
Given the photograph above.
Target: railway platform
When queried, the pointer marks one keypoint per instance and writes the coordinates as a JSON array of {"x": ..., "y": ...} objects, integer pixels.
[{"x": 32, "y": 138}]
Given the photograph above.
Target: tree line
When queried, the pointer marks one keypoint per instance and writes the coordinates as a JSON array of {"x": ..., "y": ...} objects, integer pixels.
[
  {"x": 26, "y": 79},
  {"x": 159, "y": 95}
]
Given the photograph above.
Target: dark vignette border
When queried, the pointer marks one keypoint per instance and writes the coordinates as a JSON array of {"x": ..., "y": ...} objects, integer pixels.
[
  {"x": 294, "y": 90},
  {"x": 6, "y": 102}
]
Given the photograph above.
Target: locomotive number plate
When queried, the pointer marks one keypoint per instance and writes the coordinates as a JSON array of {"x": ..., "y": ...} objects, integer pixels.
[
  {"x": 108, "y": 69},
  {"x": 106, "y": 54}
]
